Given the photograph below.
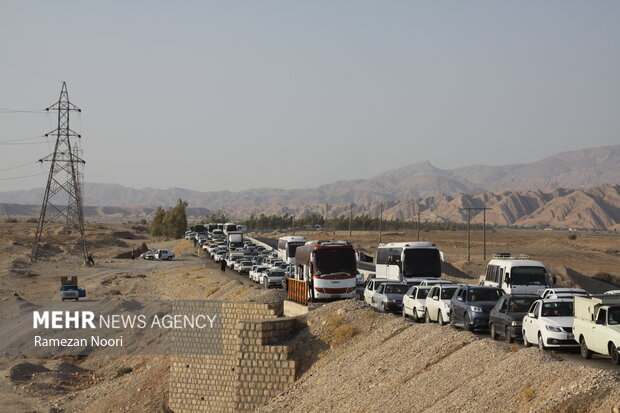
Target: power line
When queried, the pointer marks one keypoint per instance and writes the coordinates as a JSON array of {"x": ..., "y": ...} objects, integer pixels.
[
  {"x": 22, "y": 143},
  {"x": 21, "y": 139},
  {"x": 21, "y": 177},
  {"x": 32, "y": 72},
  {"x": 37, "y": 111},
  {"x": 18, "y": 166}
]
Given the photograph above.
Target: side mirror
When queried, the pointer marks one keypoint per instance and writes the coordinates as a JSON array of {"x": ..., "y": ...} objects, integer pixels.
[
  {"x": 459, "y": 298},
  {"x": 531, "y": 315},
  {"x": 435, "y": 297},
  {"x": 507, "y": 279}
]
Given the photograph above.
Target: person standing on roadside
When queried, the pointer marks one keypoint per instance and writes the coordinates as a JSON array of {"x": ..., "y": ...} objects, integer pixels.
[{"x": 223, "y": 265}]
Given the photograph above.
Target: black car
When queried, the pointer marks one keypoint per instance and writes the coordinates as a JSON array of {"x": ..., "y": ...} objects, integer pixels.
[
  {"x": 506, "y": 317},
  {"x": 471, "y": 305}
]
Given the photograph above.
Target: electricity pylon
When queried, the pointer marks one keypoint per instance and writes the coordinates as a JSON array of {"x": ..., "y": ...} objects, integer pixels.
[{"x": 62, "y": 202}]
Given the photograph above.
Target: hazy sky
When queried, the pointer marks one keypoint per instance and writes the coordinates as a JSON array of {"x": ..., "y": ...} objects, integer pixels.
[{"x": 215, "y": 95}]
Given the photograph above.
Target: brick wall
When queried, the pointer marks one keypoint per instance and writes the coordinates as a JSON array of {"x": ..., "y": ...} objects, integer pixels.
[{"x": 248, "y": 369}]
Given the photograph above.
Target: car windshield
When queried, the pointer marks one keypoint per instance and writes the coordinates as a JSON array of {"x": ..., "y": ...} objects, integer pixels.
[
  {"x": 396, "y": 288},
  {"x": 68, "y": 287},
  {"x": 520, "y": 305},
  {"x": 528, "y": 276},
  {"x": 277, "y": 273},
  {"x": 614, "y": 316},
  {"x": 558, "y": 309},
  {"x": 335, "y": 260},
  {"x": 447, "y": 293},
  {"x": 483, "y": 294},
  {"x": 422, "y": 293},
  {"x": 422, "y": 262}
]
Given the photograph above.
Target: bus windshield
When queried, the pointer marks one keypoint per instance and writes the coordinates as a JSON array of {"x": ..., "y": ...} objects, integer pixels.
[
  {"x": 422, "y": 262},
  {"x": 528, "y": 276},
  {"x": 335, "y": 260},
  {"x": 292, "y": 247}
]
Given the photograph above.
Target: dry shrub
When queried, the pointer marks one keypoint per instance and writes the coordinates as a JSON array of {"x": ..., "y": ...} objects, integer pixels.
[
  {"x": 368, "y": 314},
  {"x": 211, "y": 291},
  {"x": 342, "y": 334},
  {"x": 239, "y": 291},
  {"x": 334, "y": 320},
  {"x": 527, "y": 394}
]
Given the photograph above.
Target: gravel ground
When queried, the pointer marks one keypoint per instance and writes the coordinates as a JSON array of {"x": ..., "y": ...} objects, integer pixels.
[{"x": 392, "y": 364}]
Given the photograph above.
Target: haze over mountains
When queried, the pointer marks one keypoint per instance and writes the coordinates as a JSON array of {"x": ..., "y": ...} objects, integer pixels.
[
  {"x": 577, "y": 169},
  {"x": 532, "y": 194}
]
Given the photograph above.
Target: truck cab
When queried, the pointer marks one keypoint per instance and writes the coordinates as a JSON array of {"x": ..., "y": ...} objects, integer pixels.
[
  {"x": 69, "y": 289},
  {"x": 597, "y": 325}
]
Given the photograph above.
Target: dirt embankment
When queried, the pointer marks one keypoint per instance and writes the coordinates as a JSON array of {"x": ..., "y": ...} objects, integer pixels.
[{"x": 363, "y": 361}]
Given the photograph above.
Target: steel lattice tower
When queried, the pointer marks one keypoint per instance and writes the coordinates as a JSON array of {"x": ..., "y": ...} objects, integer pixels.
[{"x": 62, "y": 203}]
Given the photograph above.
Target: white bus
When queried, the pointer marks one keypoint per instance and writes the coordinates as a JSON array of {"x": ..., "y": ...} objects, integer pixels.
[
  {"x": 287, "y": 247},
  {"x": 229, "y": 227},
  {"x": 516, "y": 275},
  {"x": 408, "y": 261}
]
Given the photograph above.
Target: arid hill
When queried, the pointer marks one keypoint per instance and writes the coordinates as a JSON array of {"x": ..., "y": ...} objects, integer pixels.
[
  {"x": 594, "y": 208},
  {"x": 576, "y": 169}
]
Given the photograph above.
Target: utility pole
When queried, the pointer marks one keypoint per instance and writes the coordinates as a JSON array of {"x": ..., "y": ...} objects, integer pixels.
[
  {"x": 326, "y": 211},
  {"x": 418, "y": 229},
  {"x": 293, "y": 226},
  {"x": 350, "y": 218},
  {"x": 62, "y": 202},
  {"x": 380, "y": 220},
  {"x": 484, "y": 231}
]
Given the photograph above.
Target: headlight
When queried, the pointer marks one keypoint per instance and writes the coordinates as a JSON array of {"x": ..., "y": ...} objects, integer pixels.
[
  {"x": 515, "y": 323},
  {"x": 476, "y": 309},
  {"x": 553, "y": 328}
]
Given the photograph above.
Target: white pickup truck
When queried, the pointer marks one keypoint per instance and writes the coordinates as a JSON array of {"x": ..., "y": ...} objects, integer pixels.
[
  {"x": 158, "y": 255},
  {"x": 596, "y": 325}
]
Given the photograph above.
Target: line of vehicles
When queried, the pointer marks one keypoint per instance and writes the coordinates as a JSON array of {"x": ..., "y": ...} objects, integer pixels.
[{"x": 515, "y": 299}]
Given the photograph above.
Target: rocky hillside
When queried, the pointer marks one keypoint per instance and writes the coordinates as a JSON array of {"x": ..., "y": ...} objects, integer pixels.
[
  {"x": 576, "y": 169},
  {"x": 593, "y": 208}
]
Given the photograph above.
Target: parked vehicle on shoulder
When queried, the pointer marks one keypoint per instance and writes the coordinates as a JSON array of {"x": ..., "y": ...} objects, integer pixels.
[
  {"x": 549, "y": 322},
  {"x": 597, "y": 325},
  {"x": 414, "y": 302},
  {"x": 159, "y": 254},
  {"x": 471, "y": 305},
  {"x": 69, "y": 289},
  {"x": 506, "y": 318},
  {"x": 389, "y": 297},
  {"x": 438, "y": 303},
  {"x": 516, "y": 274}
]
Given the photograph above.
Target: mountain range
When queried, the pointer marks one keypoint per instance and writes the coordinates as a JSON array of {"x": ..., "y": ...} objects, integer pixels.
[{"x": 576, "y": 169}]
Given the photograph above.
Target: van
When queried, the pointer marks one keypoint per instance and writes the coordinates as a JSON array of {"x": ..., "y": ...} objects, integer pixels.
[{"x": 516, "y": 274}]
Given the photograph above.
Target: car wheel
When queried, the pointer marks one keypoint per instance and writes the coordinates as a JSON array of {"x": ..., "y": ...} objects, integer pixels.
[
  {"x": 440, "y": 319},
  {"x": 384, "y": 307},
  {"x": 613, "y": 352},
  {"x": 415, "y": 317},
  {"x": 525, "y": 342},
  {"x": 509, "y": 336},
  {"x": 427, "y": 317},
  {"x": 541, "y": 343},
  {"x": 492, "y": 332},
  {"x": 404, "y": 313},
  {"x": 466, "y": 325},
  {"x": 586, "y": 353}
]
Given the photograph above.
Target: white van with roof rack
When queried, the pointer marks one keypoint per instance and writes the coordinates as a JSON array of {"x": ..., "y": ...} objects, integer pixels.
[{"x": 516, "y": 274}]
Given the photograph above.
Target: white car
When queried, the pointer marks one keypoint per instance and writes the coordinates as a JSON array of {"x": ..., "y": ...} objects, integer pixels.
[
  {"x": 438, "y": 303},
  {"x": 220, "y": 256},
  {"x": 615, "y": 292},
  {"x": 434, "y": 281},
  {"x": 255, "y": 272},
  {"x": 243, "y": 266},
  {"x": 371, "y": 286},
  {"x": 414, "y": 302},
  {"x": 549, "y": 322},
  {"x": 562, "y": 292}
]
